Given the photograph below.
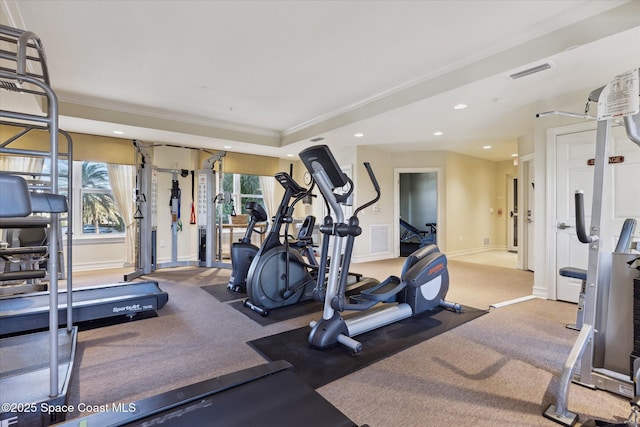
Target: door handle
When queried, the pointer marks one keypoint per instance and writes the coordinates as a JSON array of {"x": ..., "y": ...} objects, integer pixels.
[{"x": 563, "y": 226}]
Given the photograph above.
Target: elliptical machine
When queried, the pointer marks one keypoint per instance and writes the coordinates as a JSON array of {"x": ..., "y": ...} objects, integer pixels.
[
  {"x": 243, "y": 252},
  {"x": 279, "y": 275},
  {"x": 424, "y": 280}
]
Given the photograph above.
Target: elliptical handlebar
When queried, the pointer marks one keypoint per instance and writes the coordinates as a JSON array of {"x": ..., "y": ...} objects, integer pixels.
[
  {"x": 376, "y": 187},
  {"x": 372, "y": 177}
]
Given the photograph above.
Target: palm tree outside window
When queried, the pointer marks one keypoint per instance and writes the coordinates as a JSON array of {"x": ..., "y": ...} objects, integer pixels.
[{"x": 100, "y": 213}]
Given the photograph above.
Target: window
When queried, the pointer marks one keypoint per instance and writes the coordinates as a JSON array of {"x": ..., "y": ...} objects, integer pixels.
[
  {"x": 243, "y": 188},
  {"x": 100, "y": 213},
  {"x": 95, "y": 212}
]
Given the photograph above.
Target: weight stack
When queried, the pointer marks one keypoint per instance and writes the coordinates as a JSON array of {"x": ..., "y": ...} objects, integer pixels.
[{"x": 636, "y": 324}]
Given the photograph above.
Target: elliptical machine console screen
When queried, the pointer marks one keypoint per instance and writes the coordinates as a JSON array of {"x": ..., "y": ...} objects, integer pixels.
[{"x": 322, "y": 155}]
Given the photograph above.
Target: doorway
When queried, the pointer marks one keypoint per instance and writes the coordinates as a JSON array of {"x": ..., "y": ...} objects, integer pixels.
[
  {"x": 512, "y": 221},
  {"x": 417, "y": 203},
  {"x": 526, "y": 219}
]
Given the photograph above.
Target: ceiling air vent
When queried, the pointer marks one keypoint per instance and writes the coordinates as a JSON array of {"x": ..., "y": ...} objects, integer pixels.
[
  {"x": 532, "y": 70},
  {"x": 316, "y": 139}
]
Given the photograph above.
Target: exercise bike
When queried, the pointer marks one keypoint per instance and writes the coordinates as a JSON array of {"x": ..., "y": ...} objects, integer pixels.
[
  {"x": 243, "y": 251},
  {"x": 422, "y": 286},
  {"x": 279, "y": 275}
]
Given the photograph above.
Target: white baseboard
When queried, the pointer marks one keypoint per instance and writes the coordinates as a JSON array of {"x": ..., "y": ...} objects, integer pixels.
[
  {"x": 513, "y": 301},
  {"x": 88, "y": 266},
  {"x": 475, "y": 251},
  {"x": 368, "y": 258},
  {"x": 540, "y": 292}
]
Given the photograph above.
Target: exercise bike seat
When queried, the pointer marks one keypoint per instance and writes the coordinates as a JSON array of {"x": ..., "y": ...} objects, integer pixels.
[
  {"x": 256, "y": 211},
  {"x": 305, "y": 234}
]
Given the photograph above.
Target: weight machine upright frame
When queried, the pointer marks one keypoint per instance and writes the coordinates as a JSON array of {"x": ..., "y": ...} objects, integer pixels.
[
  {"x": 208, "y": 182},
  {"x": 582, "y": 366}
]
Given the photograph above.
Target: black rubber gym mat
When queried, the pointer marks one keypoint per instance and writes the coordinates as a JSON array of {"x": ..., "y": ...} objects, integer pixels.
[
  {"x": 222, "y": 293},
  {"x": 320, "y": 367},
  {"x": 279, "y": 314}
]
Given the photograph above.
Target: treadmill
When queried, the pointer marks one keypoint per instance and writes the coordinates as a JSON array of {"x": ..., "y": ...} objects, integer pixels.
[
  {"x": 30, "y": 312},
  {"x": 266, "y": 395}
]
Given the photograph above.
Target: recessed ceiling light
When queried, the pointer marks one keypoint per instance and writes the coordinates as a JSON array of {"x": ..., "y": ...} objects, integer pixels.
[
  {"x": 359, "y": 135},
  {"x": 486, "y": 147},
  {"x": 514, "y": 155},
  {"x": 438, "y": 133},
  {"x": 118, "y": 132},
  {"x": 289, "y": 155},
  {"x": 227, "y": 146},
  {"x": 460, "y": 106}
]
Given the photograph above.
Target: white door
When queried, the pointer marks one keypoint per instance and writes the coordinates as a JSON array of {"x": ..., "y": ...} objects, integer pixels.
[
  {"x": 620, "y": 198},
  {"x": 529, "y": 191},
  {"x": 512, "y": 221}
]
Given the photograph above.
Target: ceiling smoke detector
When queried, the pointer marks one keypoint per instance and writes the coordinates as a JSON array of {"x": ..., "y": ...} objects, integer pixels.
[{"x": 532, "y": 70}]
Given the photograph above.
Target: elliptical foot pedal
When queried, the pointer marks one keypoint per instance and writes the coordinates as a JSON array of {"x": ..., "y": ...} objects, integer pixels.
[
  {"x": 261, "y": 311},
  {"x": 384, "y": 290}
]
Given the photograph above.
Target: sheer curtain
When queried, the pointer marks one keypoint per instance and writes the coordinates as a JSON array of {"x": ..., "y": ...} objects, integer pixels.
[
  {"x": 123, "y": 182},
  {"x": 267, "y": 184},
  {"x": 21, "y": 164}
]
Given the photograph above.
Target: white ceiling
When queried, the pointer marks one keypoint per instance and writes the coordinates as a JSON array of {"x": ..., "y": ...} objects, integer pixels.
[{"x": 267, "y": 76}]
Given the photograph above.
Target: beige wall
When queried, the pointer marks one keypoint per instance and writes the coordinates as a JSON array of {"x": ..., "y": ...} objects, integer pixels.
[
  {"x": 471, "y": 188},
  {"x": 473, "y": 191}
]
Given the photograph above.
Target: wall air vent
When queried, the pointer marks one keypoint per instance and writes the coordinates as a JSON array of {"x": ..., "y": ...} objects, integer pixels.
[
  {"x": 532, "y": 70},
  {"x": 379, "y": 235}
]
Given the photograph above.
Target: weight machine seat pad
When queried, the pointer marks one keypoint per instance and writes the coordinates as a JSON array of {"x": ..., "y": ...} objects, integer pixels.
[
  {"x": 573, "y": 272},
  {"x": 626, "y": 235},
  {"x": 15, "y": 197},
  {"x": 46, "y": 202},
  {"x": 17, "y": 201}
]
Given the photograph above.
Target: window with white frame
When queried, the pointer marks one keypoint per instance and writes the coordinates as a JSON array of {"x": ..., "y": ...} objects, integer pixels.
[
  {"x": 95, "y": 212},
  {"x": 243, "y": 188}
]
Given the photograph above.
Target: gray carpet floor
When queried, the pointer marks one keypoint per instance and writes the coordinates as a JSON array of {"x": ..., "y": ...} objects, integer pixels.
[{"x": 501, "y": 369}]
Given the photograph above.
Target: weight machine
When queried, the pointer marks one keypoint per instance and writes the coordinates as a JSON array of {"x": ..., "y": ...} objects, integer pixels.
[
  {"x": 207, "y": 181},
  {"x": 607, "y": 333}
]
